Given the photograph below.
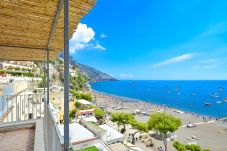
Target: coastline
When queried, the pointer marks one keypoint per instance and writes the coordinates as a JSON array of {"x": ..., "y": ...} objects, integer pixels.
[
  {"x": 205, "y": 128},
  {"x": 164, "y": 106},
  {"x": 188, "y": 96}
]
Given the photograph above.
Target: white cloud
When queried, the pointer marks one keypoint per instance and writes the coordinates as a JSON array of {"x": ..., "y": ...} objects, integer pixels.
[
  {"x": 83, "y": 34},
  {"x": 84, "y": 37},
  {"x": 174, "y": 60},
  {"x": 103, "y": 36},
  {"x": 209, "y": 42},
  {"x": 98, "y": 46},
  {"x": 81, "y": 37}
]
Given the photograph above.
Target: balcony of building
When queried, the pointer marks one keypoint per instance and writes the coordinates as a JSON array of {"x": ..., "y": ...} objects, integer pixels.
[{"x": 36, "y": 31}]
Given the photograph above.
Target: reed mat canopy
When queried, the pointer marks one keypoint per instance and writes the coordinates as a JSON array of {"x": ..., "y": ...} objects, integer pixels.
[{"x": 30, "y": 27}]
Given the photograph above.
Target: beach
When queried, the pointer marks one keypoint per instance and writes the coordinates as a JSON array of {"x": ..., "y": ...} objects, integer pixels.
[{"x": 209, "y": 132}]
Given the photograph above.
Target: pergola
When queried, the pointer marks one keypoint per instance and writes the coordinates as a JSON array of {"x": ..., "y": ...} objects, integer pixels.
[{"x": 38, "y": 30}]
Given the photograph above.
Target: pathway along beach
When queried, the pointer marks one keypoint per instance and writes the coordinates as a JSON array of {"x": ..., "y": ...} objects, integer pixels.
[{"x": 211, "y": 134}]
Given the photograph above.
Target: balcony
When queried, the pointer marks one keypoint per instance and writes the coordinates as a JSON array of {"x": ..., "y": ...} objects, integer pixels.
[
  {"x": 23, "y": 125},
  {"x": 36, "y": 31}
]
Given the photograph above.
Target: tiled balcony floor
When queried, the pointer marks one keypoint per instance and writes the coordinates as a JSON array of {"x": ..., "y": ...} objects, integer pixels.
[{"x": 18, "y": 140}]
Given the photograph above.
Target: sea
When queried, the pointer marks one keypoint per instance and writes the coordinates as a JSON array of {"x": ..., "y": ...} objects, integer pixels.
[{"x": 207, "y": 98}]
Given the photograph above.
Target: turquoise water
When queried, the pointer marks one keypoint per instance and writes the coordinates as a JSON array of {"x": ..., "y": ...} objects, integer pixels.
[{"x": 189, "y": 96}]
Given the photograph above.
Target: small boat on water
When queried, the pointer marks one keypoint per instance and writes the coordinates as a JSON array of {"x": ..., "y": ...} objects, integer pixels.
[
  {"x": 221, "y": 88},
  {"x": 178, "y": 93},
  {"x": 207, "y": 104},
  {"x": 214, "y": 96},
  {"x": 193, "y": 94},
  {"x": 218, "y": 102},
  {"x": 225, "y": 99}
]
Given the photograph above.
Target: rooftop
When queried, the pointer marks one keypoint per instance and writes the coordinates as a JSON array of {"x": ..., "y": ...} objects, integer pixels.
[
  {"x": 77, "y": 133},
  {"x": 111, "y": 135},
  {"x": 84, "y": 102}
]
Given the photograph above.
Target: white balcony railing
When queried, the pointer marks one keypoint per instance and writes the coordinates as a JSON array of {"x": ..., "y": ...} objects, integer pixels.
[
  {"x": 21, "y": 107},
  {"x": 29, "y": 107}
]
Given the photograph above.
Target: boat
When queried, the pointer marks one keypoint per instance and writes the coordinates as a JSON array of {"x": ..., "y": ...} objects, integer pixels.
[
  {"x": 178, "y": 93},
  {"x": 218, "y": 102},
  {"x": 225, "y": 99},
  {"x": 214, "y": 96},
  {"x": 177, "y": 88},
  {"x": 193, "y": 94},
  {"x": 221, "y": 87},
  {"x": 207, "y": 104}
]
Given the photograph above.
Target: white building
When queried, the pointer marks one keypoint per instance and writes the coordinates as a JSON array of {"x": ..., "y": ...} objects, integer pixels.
[{"x": 111, "y": 135}]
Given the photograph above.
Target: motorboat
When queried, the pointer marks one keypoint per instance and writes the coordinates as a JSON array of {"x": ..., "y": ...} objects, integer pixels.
[
  {"x": 214, "y": 96},
  {"x": 207, "y": 104},
  {"x": 225, "y": 99}
]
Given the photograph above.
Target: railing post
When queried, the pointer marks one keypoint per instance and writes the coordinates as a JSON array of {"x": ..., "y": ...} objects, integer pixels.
[
  {"x": 45, "y": 105},
  {"x": 48, "y": 77},
  {"x": 7, "y": 101},
  {"x": 66, "y": 75}
]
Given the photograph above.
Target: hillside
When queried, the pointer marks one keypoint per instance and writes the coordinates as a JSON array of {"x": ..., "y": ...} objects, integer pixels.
[{"x": 93, "y": 74}]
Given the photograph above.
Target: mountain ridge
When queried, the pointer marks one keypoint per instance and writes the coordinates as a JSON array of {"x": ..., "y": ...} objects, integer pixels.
[{"x": 93, "y": 74}]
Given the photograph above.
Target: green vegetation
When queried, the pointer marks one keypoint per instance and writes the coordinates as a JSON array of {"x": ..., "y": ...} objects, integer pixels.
[
  {"x": 77, "y": 82},
  {"x": 19, "y": 73},
  {"x": 2, "y": 72},
  {"x": 163, "y": 123},
  {"x": 192, "y": 147},
  {"x": 28, "y": 74},
  {"x": 140, "y": 127},
  {"x": 100, "y": 115},
  {"x": 77, "y": 105},
  {"x": 24, "y": 69},
  {"x": 17, "y": 68},
  {"x": 92, "y": 148},
  {"x": 72, "y": 114},
  {"x": 41, "y": 82},
  {"x": 79, "y": 95},
  {"x": 122, "y": 119}
]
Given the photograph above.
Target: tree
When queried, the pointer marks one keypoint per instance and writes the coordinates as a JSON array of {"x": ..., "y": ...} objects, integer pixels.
[
  {"x": 178, "y": 146},
  {"x": 2, "y": 72},
  {"x": 77, "y": 105},
  {"x": 41, "y": 83},
  {"x": 100, "y": 115},
  {"x": 140, "y": 127},
  {"x": 163, "y": 123},
  {"x": 192, "y": 147},
  {"x": 122, "y": 119},
  {"x": 87, "y": 97},
  {"x": 17, "y": 68},
  {"x": 72, "y": 113}
]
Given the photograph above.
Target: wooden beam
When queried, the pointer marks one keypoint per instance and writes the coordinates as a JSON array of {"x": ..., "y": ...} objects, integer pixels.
[{"x": 58, "y": 11}]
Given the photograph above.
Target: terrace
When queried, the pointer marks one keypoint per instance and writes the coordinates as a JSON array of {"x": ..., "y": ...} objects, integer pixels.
[{"x": 37, "y": 31}]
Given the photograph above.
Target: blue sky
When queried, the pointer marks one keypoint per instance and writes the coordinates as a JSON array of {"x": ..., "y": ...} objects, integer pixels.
[{"x": 155, "y": 39}]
